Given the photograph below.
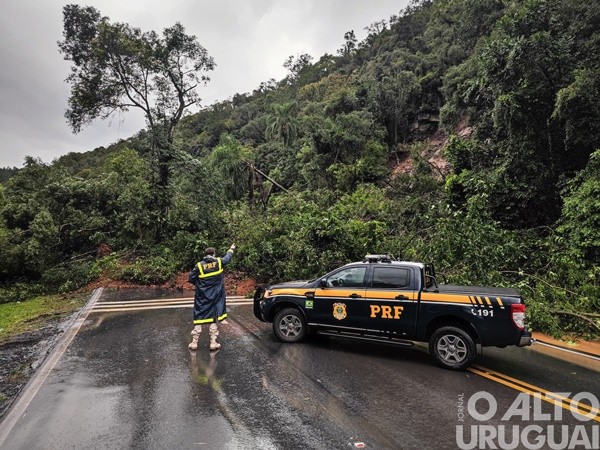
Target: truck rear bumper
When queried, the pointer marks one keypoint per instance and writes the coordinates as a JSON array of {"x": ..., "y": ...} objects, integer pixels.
[{"x": 526, "y": 339}]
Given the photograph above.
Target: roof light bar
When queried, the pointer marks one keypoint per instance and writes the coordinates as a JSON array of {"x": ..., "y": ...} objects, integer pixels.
[{"x": 377, "y": 258}]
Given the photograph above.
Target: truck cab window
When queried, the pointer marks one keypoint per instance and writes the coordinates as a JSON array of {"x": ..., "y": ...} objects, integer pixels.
[
  {"x": 390, "y": 278},
  {"x": 350, "y": 277}
]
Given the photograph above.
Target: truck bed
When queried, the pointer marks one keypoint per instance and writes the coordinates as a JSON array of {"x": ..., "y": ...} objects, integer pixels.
[{"x": 478, "y": 290}]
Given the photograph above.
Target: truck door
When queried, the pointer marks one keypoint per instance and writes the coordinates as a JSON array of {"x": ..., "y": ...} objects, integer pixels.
[
  {"x": 340, "y": 301},
  {"x": 392, "y": 301}
]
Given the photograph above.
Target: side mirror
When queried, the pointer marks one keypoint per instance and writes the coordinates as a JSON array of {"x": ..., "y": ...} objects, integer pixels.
[{"x": 322, "y": 283}]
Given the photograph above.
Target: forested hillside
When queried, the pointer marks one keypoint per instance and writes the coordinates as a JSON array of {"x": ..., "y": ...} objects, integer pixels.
[{"x": 463, "y": 132}]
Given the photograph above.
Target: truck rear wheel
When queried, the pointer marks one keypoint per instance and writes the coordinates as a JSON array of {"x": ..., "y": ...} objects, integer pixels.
[
  {"x": 289, "y": 325},
  {"x": 452, "y": 348}
]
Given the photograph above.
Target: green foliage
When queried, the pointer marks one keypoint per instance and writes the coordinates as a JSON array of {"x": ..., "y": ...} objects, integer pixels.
[
  {"x": 302, "y": 236},
  {"x": 6, "y": 173},
  {"x": 282, "y": 124},
  {"x": 577, "y": 107},
  {"x": 538, "y": 64},
  {"x": 393, "y": 93},
  {"x": 470, "y": 248},
  {"x": 187, "y": 247},
  {"x": 580, "y": 222},
  {"x": 229, "y": 161},
  {"x": 369, "y": 168},
  {"x": 156, "y": 269},
  {"x": 68, "y": 277},
  {"x": 19, "y": 317},
  {"x": 18, "y": 291},
  {"x": 126, "y": 183},
  {"x": 116, "y": 66}
]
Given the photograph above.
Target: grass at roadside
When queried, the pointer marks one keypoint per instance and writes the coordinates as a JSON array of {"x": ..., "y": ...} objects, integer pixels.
[{"x": 19, "y": 317}]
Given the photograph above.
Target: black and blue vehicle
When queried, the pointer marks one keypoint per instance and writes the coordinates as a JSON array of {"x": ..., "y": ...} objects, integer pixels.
[{"x": 383, "y": 300}]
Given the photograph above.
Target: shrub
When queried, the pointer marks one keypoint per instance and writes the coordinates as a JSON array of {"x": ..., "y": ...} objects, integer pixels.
[
  {"x": 149, "y": 270},
  {"x": 68, "y": 277}
]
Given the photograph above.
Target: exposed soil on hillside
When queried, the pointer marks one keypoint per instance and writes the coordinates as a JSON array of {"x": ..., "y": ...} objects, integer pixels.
[{"x": 431, "y": 152}]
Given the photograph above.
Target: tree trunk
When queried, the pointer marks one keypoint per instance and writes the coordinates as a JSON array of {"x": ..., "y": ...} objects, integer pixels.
[{"x": 162, "y": 191}]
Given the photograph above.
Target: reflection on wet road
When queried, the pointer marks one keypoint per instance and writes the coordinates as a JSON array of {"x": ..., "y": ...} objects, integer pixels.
[{"x": 128, "y": 381}]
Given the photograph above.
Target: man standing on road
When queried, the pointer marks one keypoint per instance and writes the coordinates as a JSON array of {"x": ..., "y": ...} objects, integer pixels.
[{"x": 209, "y": 299}]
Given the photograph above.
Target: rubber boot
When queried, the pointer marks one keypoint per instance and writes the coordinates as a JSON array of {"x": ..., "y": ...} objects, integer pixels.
[
  {"x": 214, "y": 333},
  {"x": 195, "y": 336}
]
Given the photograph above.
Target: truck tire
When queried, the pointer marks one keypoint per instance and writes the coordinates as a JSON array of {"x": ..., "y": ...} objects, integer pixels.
[
  {"x": 452, "y": 348},
  {"x": 289, "y": 325}
]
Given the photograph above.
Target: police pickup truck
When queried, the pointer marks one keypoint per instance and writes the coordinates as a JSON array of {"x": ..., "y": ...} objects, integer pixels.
[{"x": 383, "y": 300}]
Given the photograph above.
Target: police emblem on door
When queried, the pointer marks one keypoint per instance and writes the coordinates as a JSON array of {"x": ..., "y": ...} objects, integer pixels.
[{"x": 339, "y": 311}]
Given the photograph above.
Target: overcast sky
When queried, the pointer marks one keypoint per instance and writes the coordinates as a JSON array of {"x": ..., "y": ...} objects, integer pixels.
[{"x": 249, "y": 40}]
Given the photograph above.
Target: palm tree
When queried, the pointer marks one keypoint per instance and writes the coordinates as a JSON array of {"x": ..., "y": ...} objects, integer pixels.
[
  {"x": 233, "y": 163},
  {"x": 228, "y": 159},
  {"x": 282, "y": 123}
]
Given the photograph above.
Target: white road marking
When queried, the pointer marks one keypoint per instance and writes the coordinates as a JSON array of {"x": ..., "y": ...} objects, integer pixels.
[{"x": 165, "y": 303}]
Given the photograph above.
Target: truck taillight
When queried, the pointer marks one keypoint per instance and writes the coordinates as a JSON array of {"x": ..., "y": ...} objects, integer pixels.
[{"x": 518, "y": 315}]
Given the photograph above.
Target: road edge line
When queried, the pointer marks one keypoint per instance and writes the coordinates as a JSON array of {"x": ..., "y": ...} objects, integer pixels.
[
  {"x": 19, "y": 407},
  {"x": 581, "y": 353}
]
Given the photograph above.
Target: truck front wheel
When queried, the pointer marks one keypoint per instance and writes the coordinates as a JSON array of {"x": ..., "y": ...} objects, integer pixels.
[
  {"x": 452, "y": 348},
  {"x": 289, "y": 325}
]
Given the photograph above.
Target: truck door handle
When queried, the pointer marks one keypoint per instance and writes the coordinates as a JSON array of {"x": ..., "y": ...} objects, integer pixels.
[
  {"x": 401, "y": 297},
  {"x": 355, "y": 296}
]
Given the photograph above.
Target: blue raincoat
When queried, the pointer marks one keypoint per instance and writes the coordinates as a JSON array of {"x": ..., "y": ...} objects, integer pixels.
[{"x": 209, "y": 299}]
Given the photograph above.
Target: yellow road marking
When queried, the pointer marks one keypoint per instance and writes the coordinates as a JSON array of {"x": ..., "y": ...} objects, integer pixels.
[{"x": 535, "y": 391}]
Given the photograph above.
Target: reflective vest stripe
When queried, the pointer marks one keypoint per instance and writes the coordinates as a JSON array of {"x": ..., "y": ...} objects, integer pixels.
[
  {"x": 211, "y": 320},
  {"x": 210, "y": 274}
]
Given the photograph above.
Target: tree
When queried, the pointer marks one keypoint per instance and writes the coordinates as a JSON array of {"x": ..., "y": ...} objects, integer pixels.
[
  {"x": 393, "y": 92},
  {"x": 116, "y": 67},
  {"x": 580, "y": 221},
  {"x": 295, "y": 65},
  {"x": 349, "y": 44},
  {"x": 6, "y": 173},
  {"x": 229, "y": 160},
  {"x": 282, "y": 123}
]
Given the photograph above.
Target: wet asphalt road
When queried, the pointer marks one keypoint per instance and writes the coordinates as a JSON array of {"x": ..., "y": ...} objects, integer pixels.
[{"x": 127, "y": 380}]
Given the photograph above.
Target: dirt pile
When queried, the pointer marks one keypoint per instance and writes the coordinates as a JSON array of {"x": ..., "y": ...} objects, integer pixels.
[{"x": 236, "y": 283}]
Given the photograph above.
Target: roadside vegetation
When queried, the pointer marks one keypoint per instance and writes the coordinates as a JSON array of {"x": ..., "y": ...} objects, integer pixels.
[
  {"x": 462, "y": 132},
  {"x": 21, "y": 317}
]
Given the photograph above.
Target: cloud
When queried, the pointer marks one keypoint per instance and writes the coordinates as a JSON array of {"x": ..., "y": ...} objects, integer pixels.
[{"x": 249, "y": 40}]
